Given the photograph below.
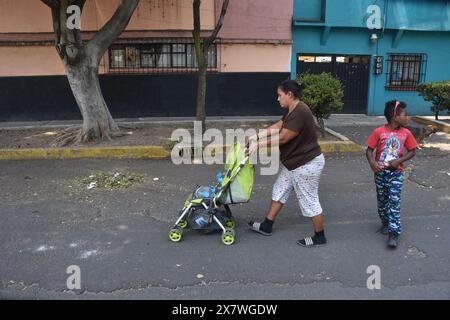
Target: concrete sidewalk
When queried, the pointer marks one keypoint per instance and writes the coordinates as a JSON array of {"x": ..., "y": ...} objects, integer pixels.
[
  {"x": 335, "y": 120},
  {"x": 127, "y": 121},
  {"x": 342, "y": 145},
  {"x": 350, "y": 130}
]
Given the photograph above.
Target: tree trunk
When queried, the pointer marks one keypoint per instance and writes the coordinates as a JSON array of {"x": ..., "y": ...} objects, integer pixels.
[
  {"x": 201, "y": 52},
  {"x": 321, "y": 126},
  {"x": 201, "y": 95},
  {"x": 98, "y": 123},
  {"x": 81, "y": 61}
]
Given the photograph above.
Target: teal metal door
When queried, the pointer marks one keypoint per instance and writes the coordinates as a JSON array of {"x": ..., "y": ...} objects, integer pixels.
[{"x": 353, "y": 71}]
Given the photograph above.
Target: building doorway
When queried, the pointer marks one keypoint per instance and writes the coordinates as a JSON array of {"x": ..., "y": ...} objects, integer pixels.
[{"x": 352, "y": 70}]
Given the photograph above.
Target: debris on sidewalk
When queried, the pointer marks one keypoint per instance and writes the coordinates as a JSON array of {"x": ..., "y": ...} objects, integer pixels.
[
  {"x": 112, "y": 180},
  {"x": 92, "y": 185}
]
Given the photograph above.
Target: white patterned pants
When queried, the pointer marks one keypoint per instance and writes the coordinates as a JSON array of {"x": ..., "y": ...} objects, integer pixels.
[{"x": 305, "y": 181}]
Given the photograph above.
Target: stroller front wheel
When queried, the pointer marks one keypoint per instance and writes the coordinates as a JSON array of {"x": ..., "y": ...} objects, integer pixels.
[
  {"x": 228, "y": 237},
  {"x": 175, "y": 234}
]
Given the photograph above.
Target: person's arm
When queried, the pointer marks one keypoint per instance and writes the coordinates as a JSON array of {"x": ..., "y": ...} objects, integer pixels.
[
  {"x": 372, "y": 142},
  {"x": 260, "y": 138},
  {"x": 374, "y": 165},
  {"x": 267, "y": 132},
  {"x": 394, "y": 164},
  {"x": 411, "y": 146},
  {"x": 285, "y": 136}
]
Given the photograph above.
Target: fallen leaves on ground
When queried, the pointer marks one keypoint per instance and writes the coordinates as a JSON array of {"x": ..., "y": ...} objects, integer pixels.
[{"x": 112, "y": 180}]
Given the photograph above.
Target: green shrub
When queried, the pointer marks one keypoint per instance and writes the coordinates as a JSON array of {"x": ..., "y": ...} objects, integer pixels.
[
  {"x": 323, "y": 93},
  {"x": 438, "y": 93}
]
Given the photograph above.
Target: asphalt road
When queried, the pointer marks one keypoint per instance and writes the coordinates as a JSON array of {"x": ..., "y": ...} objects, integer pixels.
[{"x": 118, "y": 239}]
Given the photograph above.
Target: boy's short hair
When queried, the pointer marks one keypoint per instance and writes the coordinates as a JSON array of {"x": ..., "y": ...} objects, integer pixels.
[{"x": 393, "y": 106}]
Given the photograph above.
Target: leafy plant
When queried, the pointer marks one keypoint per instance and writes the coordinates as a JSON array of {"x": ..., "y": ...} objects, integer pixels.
[
  {"x": 438, "y": 93},
  {"x": 323, "y": 93}
]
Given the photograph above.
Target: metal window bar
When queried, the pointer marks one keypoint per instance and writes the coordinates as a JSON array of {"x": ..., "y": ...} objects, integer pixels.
[
  {"x": 157, "y": 56},
  {"x": 405, "y": 71}
]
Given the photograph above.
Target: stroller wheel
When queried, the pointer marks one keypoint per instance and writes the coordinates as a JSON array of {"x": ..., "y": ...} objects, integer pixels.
[
  {"x": 175, "y": 234},
  {"x": 228, "y": 237},
  {"x": 230, "y": 224},
  {"x": 183, "y": 224}
]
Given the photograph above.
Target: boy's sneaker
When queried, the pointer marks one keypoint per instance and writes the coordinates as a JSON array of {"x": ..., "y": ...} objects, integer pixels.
[
  {"x": 393, "y": 240},
  {"x": 384, "y": 229}
]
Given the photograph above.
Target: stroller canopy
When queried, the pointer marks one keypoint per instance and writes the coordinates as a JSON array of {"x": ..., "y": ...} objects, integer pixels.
[{"x": 238, "y": 180}]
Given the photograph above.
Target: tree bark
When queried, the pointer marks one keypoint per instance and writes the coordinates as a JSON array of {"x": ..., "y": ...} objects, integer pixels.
[
  {"x": 98, "y": 123},
  {"x": 201, "y": 53},
  {"x": 201, "y": 96},
  {"x": 81, "y": 63},
  {"x": 321, "y": 124}
]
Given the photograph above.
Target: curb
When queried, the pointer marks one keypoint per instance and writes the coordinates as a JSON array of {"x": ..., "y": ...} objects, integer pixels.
[
  {"x": 336, "y": 134},
  {"x": 442, "y": 126},
  {"x": 133, "y": 152},
  {"x": 340, "y": 147},
  {"x": 345, "y": 145},
  {"x": 138, "y": 152},
  {"x": 149, "y": 152}
]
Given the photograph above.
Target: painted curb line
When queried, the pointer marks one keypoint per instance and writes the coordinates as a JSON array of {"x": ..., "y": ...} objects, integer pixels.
[
  {"x": 132, "y": 152},
  {"x": 139, "y": 152}
]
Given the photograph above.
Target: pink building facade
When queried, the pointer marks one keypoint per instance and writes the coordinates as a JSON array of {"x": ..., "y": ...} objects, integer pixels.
[{"x": 251, "y": 55}]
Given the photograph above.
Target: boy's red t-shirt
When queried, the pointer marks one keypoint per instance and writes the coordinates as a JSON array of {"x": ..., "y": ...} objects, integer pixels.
[{"x": 390, "y": 144}]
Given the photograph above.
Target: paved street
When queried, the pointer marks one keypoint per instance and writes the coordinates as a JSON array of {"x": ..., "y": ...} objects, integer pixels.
[{"x": 119, "y": 238}]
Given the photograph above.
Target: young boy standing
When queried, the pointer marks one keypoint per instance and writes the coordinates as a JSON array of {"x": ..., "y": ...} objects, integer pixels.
[{"x": 390, "y": 141}]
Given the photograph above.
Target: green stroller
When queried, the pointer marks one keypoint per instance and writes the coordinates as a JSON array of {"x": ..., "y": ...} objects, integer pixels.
[{"x": 206, "y": 208}]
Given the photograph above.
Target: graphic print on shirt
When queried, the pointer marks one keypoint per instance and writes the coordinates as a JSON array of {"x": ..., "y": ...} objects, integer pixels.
[{"x": 391, "y": 150}]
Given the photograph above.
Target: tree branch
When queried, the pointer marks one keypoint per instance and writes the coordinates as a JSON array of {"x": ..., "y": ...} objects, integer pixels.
[
  {"x": 76, "y": 33},
  {"x": 57, "y": 28},
  {"x": 51, "y": 3},
  {"x": 196, "y": 15},
  {"x": 97, "y": 46},
  {"x": 67, "y": 41},
  {"x": 196, "y": 32},
  {"x": 219, "y": 24},
  {"x": 79, "y": 3}
]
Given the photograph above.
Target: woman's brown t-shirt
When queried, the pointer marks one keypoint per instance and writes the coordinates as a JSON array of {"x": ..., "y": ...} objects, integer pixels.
[{"x": 304, "y": 147}]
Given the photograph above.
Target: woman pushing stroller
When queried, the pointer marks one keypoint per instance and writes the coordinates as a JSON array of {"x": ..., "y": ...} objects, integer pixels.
[{"x": 301, "y": 165}]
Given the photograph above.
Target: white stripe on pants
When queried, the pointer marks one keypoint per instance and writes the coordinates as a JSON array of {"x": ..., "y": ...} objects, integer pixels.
[{"x": 305, "y": 181}]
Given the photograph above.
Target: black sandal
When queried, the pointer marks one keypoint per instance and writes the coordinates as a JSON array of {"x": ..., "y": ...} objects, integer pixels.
[
  {"x": 255, "y": 226},
  {"x": 309, "y": 242}
]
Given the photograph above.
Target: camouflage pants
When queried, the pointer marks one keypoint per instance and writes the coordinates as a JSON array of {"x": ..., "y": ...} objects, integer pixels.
[{"x": 389, "y": 184}]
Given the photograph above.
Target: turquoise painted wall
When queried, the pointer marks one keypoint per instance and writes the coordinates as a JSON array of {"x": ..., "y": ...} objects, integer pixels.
[
  {"x": 424, "y": 15},
  {"x": 355, "y": 40}
]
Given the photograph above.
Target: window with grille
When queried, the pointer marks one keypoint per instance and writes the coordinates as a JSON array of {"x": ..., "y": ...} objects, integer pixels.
[
  {"x": 157, "y": 57},
  {"x": 405, "y": 71}
]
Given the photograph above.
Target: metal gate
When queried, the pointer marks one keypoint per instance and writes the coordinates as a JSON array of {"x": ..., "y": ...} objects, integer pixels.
[{"x": 353, "y": 71}]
